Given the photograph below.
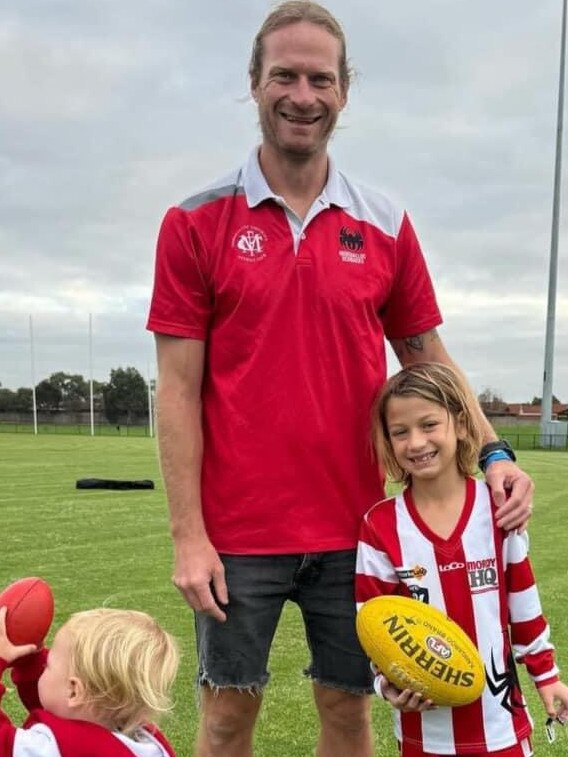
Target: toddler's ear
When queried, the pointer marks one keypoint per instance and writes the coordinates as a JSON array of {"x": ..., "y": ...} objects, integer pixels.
[{"x": 76, "y": 694}]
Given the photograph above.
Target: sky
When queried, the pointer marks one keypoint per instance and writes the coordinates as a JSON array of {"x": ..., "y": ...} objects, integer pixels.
[{"x": 111, "y": 112}]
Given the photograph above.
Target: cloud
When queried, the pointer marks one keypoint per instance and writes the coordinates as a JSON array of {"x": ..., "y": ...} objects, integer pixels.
[{"x": 111, "y": 112}]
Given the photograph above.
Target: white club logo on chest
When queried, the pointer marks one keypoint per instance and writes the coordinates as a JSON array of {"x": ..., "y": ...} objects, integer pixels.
[{"x": 250, "y": 244}]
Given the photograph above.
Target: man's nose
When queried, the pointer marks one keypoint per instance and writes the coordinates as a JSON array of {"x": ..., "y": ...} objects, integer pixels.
[{"x": 302, "y": 93}]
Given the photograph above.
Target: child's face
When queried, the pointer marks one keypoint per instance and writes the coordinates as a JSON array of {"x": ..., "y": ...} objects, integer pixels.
[
  {"x": 54, "y": 685},
  {"x": 423, "y": 436}
]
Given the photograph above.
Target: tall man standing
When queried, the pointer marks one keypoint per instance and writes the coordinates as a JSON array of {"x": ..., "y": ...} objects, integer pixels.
[{"x": 275, "y": 289}]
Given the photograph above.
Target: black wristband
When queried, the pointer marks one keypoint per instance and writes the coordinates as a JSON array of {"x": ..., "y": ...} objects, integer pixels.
[{"x": 502, "y": 445}]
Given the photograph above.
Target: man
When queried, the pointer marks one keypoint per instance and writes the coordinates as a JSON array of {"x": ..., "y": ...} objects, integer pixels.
[{"x": 275, "y": 289}]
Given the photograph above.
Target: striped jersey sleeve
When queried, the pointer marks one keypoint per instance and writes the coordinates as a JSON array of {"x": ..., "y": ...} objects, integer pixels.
[
  {"x": 530, "y": 632},
  {"x": 375, "y": 574}
]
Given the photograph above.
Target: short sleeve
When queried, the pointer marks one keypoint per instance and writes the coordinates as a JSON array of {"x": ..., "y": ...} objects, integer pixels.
[
  {"x": 181, "y": 303},
  {"x": 411, "y": 308}
]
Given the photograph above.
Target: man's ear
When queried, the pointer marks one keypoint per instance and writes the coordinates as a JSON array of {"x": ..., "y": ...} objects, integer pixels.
[{"x": 76, "y": 693}]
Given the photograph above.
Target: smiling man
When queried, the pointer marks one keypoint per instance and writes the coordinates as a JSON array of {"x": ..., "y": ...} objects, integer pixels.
[{"x": 275, "y": 289}]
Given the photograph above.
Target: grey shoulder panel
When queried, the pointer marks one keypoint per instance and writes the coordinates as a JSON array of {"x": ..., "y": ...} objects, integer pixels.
[{"x": 229, "y": 186}]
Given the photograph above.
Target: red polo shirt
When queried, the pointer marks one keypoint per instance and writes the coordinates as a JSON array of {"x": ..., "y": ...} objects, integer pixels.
[{"x": 295, "y": 325}]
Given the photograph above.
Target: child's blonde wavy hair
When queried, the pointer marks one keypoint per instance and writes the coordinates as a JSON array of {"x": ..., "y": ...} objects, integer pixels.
[{"x": 127, "y": 664}]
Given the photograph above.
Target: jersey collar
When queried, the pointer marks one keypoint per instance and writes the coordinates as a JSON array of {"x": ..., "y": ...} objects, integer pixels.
[{"x": 257, "y": 189}]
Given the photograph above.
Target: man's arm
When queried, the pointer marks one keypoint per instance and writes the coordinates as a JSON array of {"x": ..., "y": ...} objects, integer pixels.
[
  {"x": 501, "y": 475},
  {"x": 197, "y": 567}
]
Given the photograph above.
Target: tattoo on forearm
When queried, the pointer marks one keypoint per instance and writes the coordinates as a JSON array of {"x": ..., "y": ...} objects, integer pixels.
[{"x": 415, "y": 343}]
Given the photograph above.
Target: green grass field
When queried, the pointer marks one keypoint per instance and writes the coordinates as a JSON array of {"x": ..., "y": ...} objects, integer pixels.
[{"x": 112, "y": 548}]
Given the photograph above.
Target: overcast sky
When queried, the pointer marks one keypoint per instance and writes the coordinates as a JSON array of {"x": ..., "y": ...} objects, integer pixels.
[{"x": 112, "y": 111}]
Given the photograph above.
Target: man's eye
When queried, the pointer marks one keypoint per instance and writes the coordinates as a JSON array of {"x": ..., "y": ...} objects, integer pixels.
[
  {"x": 321, "y": 80},
  {"x": 283, "y": 75}
]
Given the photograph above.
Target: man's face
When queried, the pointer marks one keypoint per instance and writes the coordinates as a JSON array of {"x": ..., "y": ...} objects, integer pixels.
[{"x": 299, "y": 93}]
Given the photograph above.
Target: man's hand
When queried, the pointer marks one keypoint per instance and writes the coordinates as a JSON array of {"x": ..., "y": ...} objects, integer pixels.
[
  {"x": 200, "y": 577},
  {"x": 513, "y": 512}
]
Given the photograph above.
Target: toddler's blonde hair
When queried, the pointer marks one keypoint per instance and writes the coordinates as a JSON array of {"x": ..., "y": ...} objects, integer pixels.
[{"x": 127, "y": 664}]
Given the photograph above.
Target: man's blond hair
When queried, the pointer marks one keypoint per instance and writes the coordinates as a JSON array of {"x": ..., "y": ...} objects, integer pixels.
[
  {"x": 127, "y": 664},
  {"x": 292, "y": 12}
]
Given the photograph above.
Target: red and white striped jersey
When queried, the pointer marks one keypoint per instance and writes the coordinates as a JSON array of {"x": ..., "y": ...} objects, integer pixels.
[{"x": 482, "y": 578}]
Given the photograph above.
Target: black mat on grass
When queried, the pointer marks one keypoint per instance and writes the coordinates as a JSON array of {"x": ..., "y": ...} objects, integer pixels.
[{"x": 109, "y": 483}]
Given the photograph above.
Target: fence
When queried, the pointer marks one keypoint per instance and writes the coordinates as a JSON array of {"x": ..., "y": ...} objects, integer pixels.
[
  {"x": 518, "y": 440},
  {"x": 537, "y": 441},
  {"x": 82, "y": 429}
]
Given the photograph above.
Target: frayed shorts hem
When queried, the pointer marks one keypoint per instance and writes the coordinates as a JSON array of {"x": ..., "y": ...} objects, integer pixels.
[{"x": 253, "y": 688}]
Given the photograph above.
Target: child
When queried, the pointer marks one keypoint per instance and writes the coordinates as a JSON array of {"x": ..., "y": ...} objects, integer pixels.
[
  {"x": 438, "y": 542},
  {"x": 106, "y": 677}
]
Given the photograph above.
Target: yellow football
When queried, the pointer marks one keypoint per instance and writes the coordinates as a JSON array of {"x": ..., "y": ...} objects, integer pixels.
[{"x": 418, "y": 647}]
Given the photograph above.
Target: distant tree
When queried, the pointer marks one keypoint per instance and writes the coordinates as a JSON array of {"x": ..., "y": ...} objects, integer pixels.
[
  {"x": 8, "y": 400},
  {"x": 48, "y": 396},
  {"x": 125, "y": 396},
  {"x": 491, "y": 401},
  {"x": 538, "y": 400},
  {"x": 73, "y": 388},
  {"x": 24, "y": 400}
]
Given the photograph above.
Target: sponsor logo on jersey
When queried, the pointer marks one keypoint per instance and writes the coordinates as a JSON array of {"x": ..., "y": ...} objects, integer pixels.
[
  {"x": 351, "y": 242},
  {"x": 249, "y": 243},
  {"x": 416, "y": 572},
  {"x": 352, "y": 257},
  {"x": 419, "y": 592},
  {"x": 482, "y": 575}
]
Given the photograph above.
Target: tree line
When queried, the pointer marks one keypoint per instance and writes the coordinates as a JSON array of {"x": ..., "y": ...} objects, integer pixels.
[
  {"x": 492, "y": 402},
  {"x": 123, "y": 399}
]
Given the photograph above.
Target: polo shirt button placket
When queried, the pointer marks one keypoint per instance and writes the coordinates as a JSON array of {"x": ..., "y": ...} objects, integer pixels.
[{"x": 302, "y": 260}]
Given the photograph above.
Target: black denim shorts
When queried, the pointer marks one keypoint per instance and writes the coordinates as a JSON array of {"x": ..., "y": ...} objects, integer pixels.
[{"x": 235, "y": 654}]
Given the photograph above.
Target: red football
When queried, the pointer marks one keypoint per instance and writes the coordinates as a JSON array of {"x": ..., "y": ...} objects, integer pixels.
[{"x": 30, "y": 610}]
